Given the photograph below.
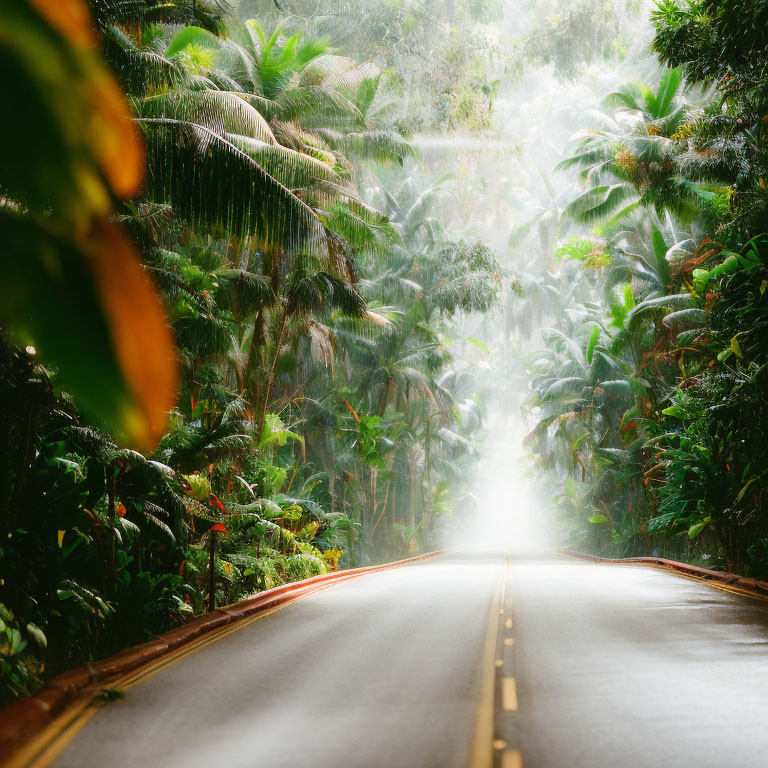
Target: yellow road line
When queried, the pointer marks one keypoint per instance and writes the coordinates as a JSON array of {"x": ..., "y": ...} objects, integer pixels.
[
  {"x": 482, "y": 747},
  {"x": 509, "y": 694},
  {"x": 508, "y": 758},
  {"x": 511, "y": 758},
  {"x": 48, "y": 744},
  {"x": 158, "y": 665}
]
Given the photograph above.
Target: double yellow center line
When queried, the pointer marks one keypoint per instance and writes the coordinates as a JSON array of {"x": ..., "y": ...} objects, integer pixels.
[{"x": 506, "y": 757}]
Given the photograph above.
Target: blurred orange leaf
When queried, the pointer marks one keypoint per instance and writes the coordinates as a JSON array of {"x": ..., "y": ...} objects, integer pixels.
[
  {"x": 112, "y": 135},
  {"x": 139, "y": 330}
]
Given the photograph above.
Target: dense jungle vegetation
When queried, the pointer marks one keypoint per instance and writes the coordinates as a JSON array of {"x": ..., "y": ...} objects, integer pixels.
[
  {"x": 650, "y": 388},
  {"x": 225, "y": 319},
  {"x": 249, "y": 318}
]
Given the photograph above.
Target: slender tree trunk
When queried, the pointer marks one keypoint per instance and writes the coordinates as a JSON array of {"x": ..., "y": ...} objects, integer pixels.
[
  {"x": 212, "y": 574},
  {"x": 110, "y": 484},
  {"x": 394, "y": 517},
  {"x": 270, "y": 378},
  {"x": 272, "y": 266},
  {"x": 411, "y": 513},
  {"x": 384, "y": 395},
  {"x": 383, "y": 508},
  {"x": 257, "y": 338},
  {"x": 374, "y": 476},
  {"x": 427, "y": 473},
  {"x": 25, "y": 461}
]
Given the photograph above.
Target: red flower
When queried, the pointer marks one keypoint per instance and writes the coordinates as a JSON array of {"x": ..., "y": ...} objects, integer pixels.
[
  {"x": 120, "y": 510},
  {"x": 220, "y": 527}
]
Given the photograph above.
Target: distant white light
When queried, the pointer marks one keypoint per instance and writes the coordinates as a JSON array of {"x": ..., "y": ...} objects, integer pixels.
[{"x": 31, "y": 350}]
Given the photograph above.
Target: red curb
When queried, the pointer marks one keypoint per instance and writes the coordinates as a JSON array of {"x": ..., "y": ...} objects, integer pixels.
[
  {"x": 24, "y": 718},
  {"x": 707, "y": 574}
]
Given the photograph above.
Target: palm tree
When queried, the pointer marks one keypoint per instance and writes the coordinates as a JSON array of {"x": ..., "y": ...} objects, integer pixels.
[{"x": 633, "y": 159}]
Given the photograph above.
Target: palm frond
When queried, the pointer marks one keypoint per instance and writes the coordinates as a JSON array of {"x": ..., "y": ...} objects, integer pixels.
[
  {"x": 211, "y": 182},
  {"x": 597, "y": 203},
  {"x": 221, "y": 112},
  {"x": 291, "y": 168},
  {"x": 208, "y": 14}
]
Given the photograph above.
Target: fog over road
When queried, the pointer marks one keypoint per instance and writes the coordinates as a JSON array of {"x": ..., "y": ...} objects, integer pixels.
[{"x": 596, "y": 665}]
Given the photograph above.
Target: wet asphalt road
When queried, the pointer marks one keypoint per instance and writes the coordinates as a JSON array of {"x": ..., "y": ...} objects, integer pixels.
[
  {"x": 631, "y": 666},
  {"x": 378, "y": 671},
  {"x": 612, "y": 666}
]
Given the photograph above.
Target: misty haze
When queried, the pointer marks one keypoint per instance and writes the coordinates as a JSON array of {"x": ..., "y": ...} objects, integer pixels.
[{"x": 383, "y": 383}]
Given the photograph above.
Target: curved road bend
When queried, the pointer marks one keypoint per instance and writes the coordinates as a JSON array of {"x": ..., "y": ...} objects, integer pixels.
[{"x": 596, "y": 666}]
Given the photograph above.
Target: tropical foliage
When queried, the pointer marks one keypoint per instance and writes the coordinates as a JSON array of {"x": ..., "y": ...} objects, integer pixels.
[
  {"x": 245, "y": 326},
  {"x": 649, "y": 390},
  {"x": 223, "y": 367}
]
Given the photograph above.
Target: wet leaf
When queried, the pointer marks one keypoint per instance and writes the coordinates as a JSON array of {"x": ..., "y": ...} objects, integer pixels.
[
  {"x": 141, "y": 337},
  {"x": 71, "y": 145},
  {"x": 696, "y": 529},
  {"x": 594, "y": 337},
  {"x": 95, "y": 319}
]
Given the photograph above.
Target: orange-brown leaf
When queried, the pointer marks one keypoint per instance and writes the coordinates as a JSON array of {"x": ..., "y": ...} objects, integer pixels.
[
  {"x": 114, "y": 138},
  {"x": 70, "y": 18},
  {"x": 143, "y": 341},
  {"x": 119, "y": 147}
]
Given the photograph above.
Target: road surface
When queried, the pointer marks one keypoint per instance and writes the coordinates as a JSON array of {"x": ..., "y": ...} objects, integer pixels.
[{"x": 595, "y": 665}]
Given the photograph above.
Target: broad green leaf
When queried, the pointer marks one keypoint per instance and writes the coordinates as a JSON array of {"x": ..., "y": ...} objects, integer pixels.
[
  {"x": 37, "y": 635},
  {"x": 668, "y": 87},
  {"x": 89, "y": 310},
  {"x": 479, "y": 344},
  {"x": 629, "y": 297},
  {"x": 191, "y": 35},
  {"x": 617, "y": 388},
  {"x": 745, "y": 488},
  {"x": 673, "y": 301},
  {"x": 594, "y": 336},
  {"x": 693, "y": 317},
  {"x": 696, "y": 529}
]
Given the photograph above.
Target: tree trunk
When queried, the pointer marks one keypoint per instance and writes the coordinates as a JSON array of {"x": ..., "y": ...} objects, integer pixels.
[
  {"x": 270, "y": 378},
  {"x": 427, "y": 473},
  {"x": 110, "y": 488},
  {"x": 257, "y": 336},
  {"x": 384, "y": 395},
  {"x": 411, "y": 512},
  {"x": 374, "y": 476},
  {"x": 212, "y": 574}
]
